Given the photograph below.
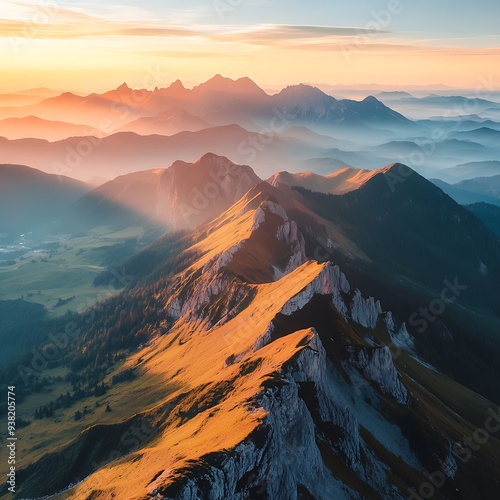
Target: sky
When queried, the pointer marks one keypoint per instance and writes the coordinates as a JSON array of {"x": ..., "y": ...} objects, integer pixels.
[{"x": 94, "y": 46}]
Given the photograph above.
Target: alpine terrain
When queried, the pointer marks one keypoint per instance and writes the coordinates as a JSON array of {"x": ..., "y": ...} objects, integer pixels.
[{"x": 302, "y": 337}]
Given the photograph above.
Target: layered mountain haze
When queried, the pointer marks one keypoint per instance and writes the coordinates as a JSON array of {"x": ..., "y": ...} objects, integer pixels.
[
  {"x": 300, "y": 126},
  {"x": 37, "y": 128},
  {"x": 483, "y": 135},
  {"x": 441, "y": 105},
  {"x": 127, "y": 152},
  {"x": 471, "y": 170},
  {"x": 307, "y": 136},
  {"x": 250, "y": 250},
  {"x": 220, "y": 101},
  {"x": 26, "y": 97},
  {"x": 476, "y": 190},
  {"x": 127, "y": 200},
  {"x": 168, "y": 123}
]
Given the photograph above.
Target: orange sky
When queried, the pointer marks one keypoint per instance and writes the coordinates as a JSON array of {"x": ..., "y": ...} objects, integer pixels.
[{"x": 83, "y": 49}]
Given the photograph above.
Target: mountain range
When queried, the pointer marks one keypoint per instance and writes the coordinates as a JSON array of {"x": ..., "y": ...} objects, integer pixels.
[
  {"x": 98, "y": 137},
  {"x": 222, "y": 292},
  {"x": 476, "y": 190},
  {"x": 219, "y": 101},
  {"x": 127, "y": 152}
]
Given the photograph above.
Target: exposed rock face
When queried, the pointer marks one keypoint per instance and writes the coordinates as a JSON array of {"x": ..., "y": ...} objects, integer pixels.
[
  {"x": 403, "y": 339},
  {"x": 289, "y": 234},
  {"x": 309, "y": 402},
  {"x": 192, "y": 295},
  {"x": 212, "y": 267},
  {"x": 365, "y": 311},
  {"x": 267, "y": 462},
  {"x": 206, "y": 288},
  {"x": 330, "y": 281},
  {"x": 268, "y": 206},
  {"x": 377, "y": 366},
  {"x": 389, "y": 322},
  {"x": 269, "y": 466},
  {"x": 312, "y": 366}
]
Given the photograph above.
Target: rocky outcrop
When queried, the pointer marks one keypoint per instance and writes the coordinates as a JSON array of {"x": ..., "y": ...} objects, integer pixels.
[
  {"x": 289, "y": 234},
  {"x": 311, "y": 365},
  {"x": 213, "y": 266},
  {"x": 260, "y": 213},
  {"x": 267, "y": 462},
  {"x": 377, "y": 366},
  {"x": 365, "y": 311},
  {"x": 330, "y": 281},
  {"x": 194, "y": 295},
  {"x": 449, "y": 465},
  {"x": 191, "y": 295},
  {"x": 199, "y": 295}
]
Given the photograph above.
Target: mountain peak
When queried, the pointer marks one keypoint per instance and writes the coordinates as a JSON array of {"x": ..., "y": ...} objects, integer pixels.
[
  {"x": 397, "y": 168},
  {"x": 123, "y": 93},
  {"x": 395, "y": 93},
  {"x": 305, "y": 96},
  {"x": 217, "y": 82},
  {"x": 197, "y": 192},
  {"x": 249, "y": 85},
  {"x": 302, "y": 89},
  {"x": 123, "y": 87},
  {"x": 177, "y": 85},
  {"x": 211, "y": 159},
  {"x": 243, "y": 85},
  {"x": 373, "y": 103}
]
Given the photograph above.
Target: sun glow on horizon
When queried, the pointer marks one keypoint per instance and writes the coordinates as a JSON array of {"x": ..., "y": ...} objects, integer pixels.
[{"x": 87, "y": 47}]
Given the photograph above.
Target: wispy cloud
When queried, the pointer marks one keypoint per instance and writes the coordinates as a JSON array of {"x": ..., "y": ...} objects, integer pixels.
[
  {"x": 136, "y": 22},
  {"x": 58, "y": 22},
  {"x": 396, "y": 48},
  {"x": 66, "y": 23},
  {"x": 288, "y": 34}
]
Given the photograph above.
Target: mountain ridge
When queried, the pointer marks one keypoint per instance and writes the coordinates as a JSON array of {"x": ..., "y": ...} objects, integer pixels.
[
  {"x": 264, "y": 320},
  {"x": 229, "y": 346}
]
